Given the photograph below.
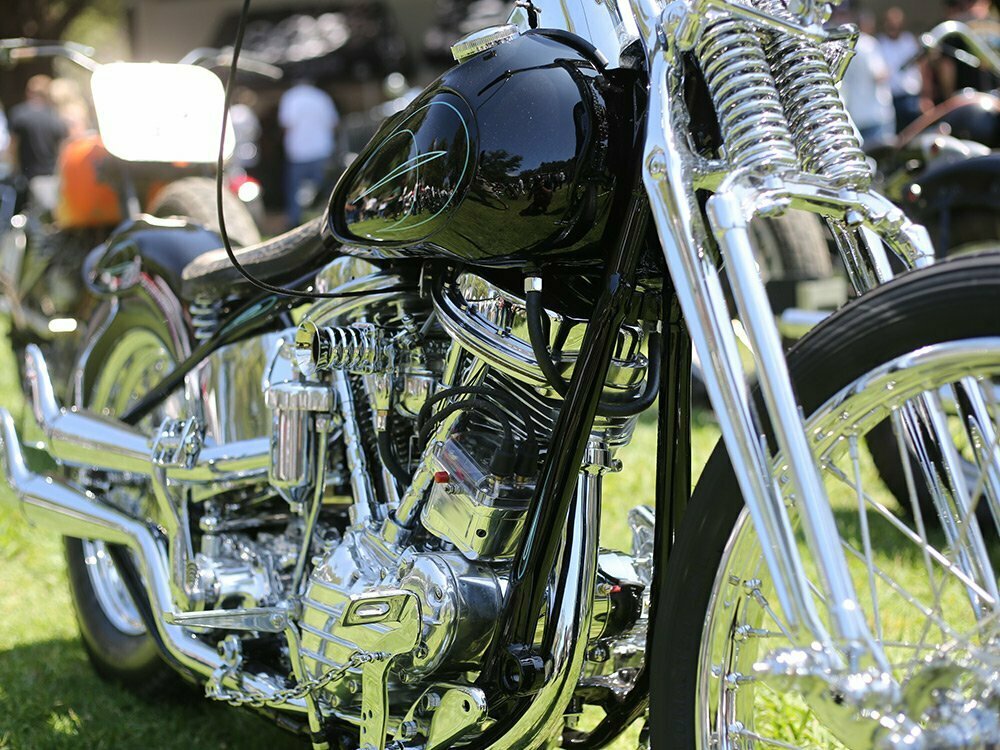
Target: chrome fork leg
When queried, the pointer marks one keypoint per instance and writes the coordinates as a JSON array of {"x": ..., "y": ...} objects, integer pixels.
[
  {"x": 729, "y": 223},
  {"x": 666, "y": 176}
]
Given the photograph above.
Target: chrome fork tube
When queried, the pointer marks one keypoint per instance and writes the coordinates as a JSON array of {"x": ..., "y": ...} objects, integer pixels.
[
  {"x": 729, "y": 224},
  {"x": 666, "y": 176}
]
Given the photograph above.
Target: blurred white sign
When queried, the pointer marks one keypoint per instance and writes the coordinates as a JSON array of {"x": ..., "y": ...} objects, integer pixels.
[{"x": 159, "y": 112}]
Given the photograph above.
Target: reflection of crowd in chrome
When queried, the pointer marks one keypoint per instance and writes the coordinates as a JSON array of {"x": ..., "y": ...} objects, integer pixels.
[
  {"x": 410, "y": 202},
  {"x": 539, "y": 188}
]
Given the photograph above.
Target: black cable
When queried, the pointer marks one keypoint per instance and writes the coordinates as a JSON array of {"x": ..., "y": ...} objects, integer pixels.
[
  {"x": 527, "y": 459},
  {"x": 632, "y": 406},
  {"x": 387, "y": 453},
  {"x": 505, "y": 399},
  {"x": 233, "y": 68},
  {"x": 607, "y": 407}
]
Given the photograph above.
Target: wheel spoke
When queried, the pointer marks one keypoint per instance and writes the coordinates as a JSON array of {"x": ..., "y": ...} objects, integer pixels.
[
  {"x": 934, "y": 553},
  {"x": 866, "y": 537}
]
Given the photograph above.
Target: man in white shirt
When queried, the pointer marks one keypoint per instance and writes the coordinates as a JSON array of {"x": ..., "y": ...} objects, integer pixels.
[
  {"x": 308, "y": 116},
  {"x": 899, "y": 48},
  {"x": 865, "y": 88}
]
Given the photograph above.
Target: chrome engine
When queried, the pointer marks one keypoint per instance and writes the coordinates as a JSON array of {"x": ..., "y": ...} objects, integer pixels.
[{"x": 448, "y": 534}]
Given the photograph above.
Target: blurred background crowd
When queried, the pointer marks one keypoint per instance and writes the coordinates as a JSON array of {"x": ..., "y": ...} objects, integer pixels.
[
  {"x": 892, "y": 80},
  {"x": 346, "y": 64}
]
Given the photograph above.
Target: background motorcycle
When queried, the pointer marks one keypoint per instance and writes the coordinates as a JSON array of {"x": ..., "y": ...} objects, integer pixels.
[
  {"x": 385, "y": 520},
  {"x": 98, "y": 185},
  {"x": 943, "y": 169}
]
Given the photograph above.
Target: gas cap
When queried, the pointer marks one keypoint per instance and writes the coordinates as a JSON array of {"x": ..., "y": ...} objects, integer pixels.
[{"x": 482, "y": 40}]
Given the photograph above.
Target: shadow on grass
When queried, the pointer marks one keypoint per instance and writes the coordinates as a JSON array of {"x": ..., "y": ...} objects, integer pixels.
[{"x": 51, "y": 698}]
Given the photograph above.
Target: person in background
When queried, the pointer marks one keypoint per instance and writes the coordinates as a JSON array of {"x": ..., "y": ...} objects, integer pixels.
[
  {"x": 866, "y": 89},
  {"x": 308, "y": 117},
  {"x": 246, "y": 128},
  {"x": 899, "y": 49},
  {"x": 66, "y": 97},
  {"x": 36, "y": 130}
]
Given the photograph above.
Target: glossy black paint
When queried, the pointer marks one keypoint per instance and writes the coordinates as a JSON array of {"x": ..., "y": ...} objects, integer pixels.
[
  {"x": 554, "y": 490},
  {"x": 157, "y": 247},
  {"x": 508, "y": 157}
]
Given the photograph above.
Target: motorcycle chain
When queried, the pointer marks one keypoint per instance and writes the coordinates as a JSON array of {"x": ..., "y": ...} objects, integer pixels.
[{"x": 255, "y": 699}]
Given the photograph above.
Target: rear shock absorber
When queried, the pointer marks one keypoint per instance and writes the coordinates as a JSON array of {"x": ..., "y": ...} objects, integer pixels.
[
  {"x": 751, "y": 119},
  {"x": 822, "y": 129}
]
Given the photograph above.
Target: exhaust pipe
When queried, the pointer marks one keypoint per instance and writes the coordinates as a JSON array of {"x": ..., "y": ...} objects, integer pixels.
[
  {"x": 53, "y": 503},
  {"x": 80, "y": 438}
]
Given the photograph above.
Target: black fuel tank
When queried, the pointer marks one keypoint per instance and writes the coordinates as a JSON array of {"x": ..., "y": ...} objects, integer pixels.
[{"x": 506, "y": 158}]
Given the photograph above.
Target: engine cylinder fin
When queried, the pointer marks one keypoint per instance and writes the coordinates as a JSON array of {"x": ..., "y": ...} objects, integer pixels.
[
  {"x": 751, "y": 119},
  {"x": 822, "y": 129}
]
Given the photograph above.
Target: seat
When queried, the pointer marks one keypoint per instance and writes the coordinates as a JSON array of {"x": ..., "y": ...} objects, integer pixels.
[{"x": 278, "y": 261}]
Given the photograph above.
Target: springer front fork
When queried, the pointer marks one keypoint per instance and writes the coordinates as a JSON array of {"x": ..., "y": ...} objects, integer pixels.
[{"x": 749, "y": 184}]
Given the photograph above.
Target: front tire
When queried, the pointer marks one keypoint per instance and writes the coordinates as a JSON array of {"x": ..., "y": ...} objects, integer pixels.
[{"x": 952, "y": 301}]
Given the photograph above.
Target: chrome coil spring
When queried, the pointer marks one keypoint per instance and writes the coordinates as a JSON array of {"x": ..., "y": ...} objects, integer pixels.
[
  {"x": 359, "y": 348},
  {"x": 751, "y": 119},
  {"x": 824, "y": 135},
  {"x": 206, "y": 312}
]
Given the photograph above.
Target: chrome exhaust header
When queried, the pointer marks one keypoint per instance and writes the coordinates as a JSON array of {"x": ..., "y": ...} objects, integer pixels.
[{"x": 53, "y": 503}]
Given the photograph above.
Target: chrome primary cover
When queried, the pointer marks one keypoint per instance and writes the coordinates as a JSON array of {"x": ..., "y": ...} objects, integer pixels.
[{"x": 459, "y": 602}]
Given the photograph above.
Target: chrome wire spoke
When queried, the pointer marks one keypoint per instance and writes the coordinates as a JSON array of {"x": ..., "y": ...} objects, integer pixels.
[
  {"x": 935, "y": 554},
  {"x": 921, "y": 575},
  {"x": 962, "y": 496},
  {"x": 984, "y": 438},
  {"x": 742, "y": 731},
  {"x": 904, "y": 594},
  {"x": 866, "y": 537},
  {"x": 918, "y": 517}
]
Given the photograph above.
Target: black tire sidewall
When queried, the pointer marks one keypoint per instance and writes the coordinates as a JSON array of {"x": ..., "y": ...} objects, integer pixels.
[
  {"x": 956, "y": 299},
  {"x": 194, "y": 198}
]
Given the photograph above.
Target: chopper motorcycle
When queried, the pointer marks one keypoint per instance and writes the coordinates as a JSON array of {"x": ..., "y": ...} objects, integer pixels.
[{"x": 351, "y": 477}]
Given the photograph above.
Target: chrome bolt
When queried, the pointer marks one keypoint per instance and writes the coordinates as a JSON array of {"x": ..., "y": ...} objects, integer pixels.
[
  {"x": 657, "y": 165},
  {"x": 431, "y": 701}
]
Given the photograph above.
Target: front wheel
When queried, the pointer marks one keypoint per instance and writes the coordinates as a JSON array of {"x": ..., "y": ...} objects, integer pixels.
[{"x": 928, "y": 608}]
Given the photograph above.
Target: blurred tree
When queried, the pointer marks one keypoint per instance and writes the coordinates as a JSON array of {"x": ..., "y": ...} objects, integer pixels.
[{"x": 44, "y": 19}]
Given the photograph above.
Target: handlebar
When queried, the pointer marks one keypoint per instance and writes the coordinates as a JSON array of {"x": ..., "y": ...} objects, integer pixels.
[
  {"x": 213, "y": 58},
  {"x": 980, "y": 54},
  {"x": 13, "y": 51}
]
